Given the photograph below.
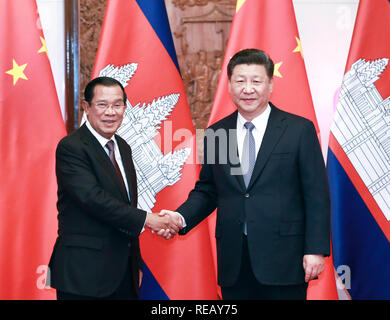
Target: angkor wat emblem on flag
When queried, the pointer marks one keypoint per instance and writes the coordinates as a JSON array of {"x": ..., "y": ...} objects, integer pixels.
[
  {"x": 155, "y": 171},
  {"x": 362, "y": 128}
]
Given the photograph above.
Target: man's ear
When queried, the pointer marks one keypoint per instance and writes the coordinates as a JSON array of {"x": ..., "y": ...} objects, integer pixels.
[
  {"x": 230, "y": 86},
  {"x": 85, "y": 106}
]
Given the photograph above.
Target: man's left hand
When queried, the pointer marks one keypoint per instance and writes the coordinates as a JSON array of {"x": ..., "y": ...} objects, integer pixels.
[{"x": 313, "y": 264}]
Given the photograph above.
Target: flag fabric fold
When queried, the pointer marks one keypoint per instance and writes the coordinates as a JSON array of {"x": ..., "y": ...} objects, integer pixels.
[
  {"x": 359, "y": 160},
  {"x": 30, "y": 127},
  {"x": 270, "y": 25},
  {"x": 136, "y": 48}
]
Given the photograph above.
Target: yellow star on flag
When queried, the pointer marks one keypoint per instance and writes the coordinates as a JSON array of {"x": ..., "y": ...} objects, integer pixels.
[
  {"x": 17, "y": 71},
  {"x": 44, "y": 47},
  {"x": 239, "y": 4},
  {"x": 299, "y": 47},
  {"x": 276, "y": 69}
]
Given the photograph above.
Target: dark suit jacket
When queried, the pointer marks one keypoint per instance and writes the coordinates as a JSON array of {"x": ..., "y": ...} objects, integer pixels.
[
  {"x": 96, "y": 221},
  {"x": 286, "y": 203}
]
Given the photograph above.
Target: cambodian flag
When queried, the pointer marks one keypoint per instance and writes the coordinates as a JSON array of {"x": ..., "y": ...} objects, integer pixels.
[
  {"x": 359, "y": 160},
  {"x": 136, "y": 48}
]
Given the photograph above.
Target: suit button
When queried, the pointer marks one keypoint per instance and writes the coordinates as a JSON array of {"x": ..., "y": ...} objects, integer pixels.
[{"x": 246, "y": 195}]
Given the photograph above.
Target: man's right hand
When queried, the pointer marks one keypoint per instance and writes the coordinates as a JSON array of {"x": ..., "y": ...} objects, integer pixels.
[
  {"x": 165, "y": 225},
  {"x": 176, "y": 218}
]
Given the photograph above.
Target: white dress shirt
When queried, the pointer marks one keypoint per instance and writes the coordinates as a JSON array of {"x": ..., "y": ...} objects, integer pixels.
[{"x": 260, "y": 123}]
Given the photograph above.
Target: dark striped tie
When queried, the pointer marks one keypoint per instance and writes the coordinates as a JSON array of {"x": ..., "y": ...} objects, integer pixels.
[{"x": 111, "y": 154}]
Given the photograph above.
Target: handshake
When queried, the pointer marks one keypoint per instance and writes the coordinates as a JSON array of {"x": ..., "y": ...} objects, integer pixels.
[{"x": 165, "y": 224}]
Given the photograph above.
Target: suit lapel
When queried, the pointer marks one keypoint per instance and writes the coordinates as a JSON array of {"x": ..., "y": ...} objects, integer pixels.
[
  {"x": 129, "y": 169},
  {"x": 234, "y": 165},
  {"x": 98, "y": 154},
  {"x": 272, "y": 135}
]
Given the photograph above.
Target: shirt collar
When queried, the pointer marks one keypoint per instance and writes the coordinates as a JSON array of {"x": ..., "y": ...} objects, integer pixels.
[
  {"x": 260, "y": 120},
  {"x": 102, "y": 140}
]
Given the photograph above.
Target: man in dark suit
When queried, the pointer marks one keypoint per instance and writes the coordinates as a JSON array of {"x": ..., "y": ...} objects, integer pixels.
[
  {"x": 264, "y": 171},
  {"x": 97, "y": 254}
]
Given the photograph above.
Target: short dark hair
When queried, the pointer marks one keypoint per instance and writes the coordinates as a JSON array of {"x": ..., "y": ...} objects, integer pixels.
[
  {"x": 104, "y": 81},
  {"x": 251, "y": 56}
]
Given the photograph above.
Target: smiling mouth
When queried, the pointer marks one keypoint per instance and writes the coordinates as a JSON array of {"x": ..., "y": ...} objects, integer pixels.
[
  {"x": 249, "y": 99},
  {"x": 109, "y": 122}
]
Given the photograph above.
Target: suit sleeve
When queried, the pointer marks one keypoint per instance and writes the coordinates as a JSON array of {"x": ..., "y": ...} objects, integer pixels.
[
  {"x": 202, "y": 200},
  {"x": 315, "y": 189},
  {"x": 77, "y": 179}
]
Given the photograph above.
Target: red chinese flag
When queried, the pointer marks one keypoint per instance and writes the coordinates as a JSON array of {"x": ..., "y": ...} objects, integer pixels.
[
  {"x": 270, "y": 25},
  {"x": 136, "y": 48},
  {"x": 30, "y": 128}
]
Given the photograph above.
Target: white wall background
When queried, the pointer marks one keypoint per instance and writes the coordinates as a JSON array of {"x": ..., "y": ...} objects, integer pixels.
[{"x": 325, "y": 28}]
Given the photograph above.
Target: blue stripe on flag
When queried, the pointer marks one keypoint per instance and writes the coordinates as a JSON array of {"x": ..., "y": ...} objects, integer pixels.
[
  {"x": 358, "y": 242},
  {"x": 150, "y": 288},
  {"x": 156, "y": 13}
]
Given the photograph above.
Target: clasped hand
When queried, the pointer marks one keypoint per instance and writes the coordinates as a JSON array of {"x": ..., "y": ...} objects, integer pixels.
[{"x": 165, "y": 224}]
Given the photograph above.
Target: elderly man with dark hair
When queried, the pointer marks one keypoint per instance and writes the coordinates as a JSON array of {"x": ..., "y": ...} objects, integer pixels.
[{"x": 97, "y": 254}]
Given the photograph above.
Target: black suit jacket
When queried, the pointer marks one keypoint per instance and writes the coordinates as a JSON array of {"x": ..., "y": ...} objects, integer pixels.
[
  {"x": 96, "y": 222},
  {"x": 286, "y": 203}
]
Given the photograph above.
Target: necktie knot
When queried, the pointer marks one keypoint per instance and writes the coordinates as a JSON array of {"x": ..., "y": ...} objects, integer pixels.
[
  {"x": 249, "y": 125},
  {"x": 110, "y": 145}
]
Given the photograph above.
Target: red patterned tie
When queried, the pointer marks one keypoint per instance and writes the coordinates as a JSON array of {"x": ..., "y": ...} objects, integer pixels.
[{"x": 110, "y": 147}]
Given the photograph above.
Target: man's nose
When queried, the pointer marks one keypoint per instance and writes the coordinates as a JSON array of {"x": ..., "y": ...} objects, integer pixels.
[
  {"x": 248, "y": 87},
  {"x": 110, "y": 110}
]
